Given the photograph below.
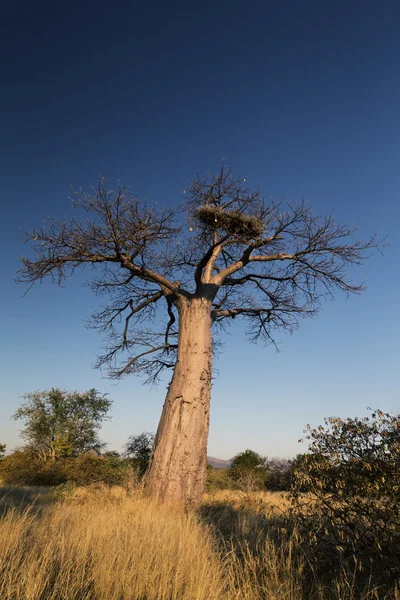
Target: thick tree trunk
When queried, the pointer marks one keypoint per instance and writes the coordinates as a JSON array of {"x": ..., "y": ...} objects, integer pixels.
[{"x": 178, "y": 467}]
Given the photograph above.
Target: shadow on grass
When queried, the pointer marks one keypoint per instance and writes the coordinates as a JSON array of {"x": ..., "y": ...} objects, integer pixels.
[
  {"x": 249, "y": 532},
  {"x": 23, "y": 498},
  {"x": 239, "y": 525}
]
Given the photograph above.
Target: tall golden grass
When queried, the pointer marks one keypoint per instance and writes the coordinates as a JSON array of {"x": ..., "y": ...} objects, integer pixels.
[{"x": 108, "y": 544}]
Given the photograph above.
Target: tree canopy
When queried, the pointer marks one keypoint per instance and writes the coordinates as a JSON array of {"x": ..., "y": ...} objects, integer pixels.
[
  {"x": 268, "y": 263},
  {"x": 60, "y": 423},
  {"x": 139, "y": 449},
  {"x": 248, "y": 460}
]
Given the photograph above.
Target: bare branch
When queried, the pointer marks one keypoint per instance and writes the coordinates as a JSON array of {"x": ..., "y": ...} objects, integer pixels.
[
  {"x": 269, "y": 263},
  {"x": 152, "y": 369},
  {"x": 136, "y": 309},
  {"x": 171, "y": 321},
  {"x": 123, "y": 232},
  {"x": 251, "y": 312},
  {"x": 207, "y": 262}
]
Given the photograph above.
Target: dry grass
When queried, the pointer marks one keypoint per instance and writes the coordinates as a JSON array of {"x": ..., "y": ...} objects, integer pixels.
[
  {"x": 110, "y": 545},
  {"x": 270, "y": 503}
]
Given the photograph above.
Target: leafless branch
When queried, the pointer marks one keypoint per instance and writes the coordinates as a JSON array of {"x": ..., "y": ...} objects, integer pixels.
[
  {"x": 136, "y": 309},
  {"x": 269, "y": 263}
]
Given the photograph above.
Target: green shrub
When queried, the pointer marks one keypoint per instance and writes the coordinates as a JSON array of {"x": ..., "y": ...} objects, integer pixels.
[
  {"x": 219, "y": 479},
  {"x": 19, "y": 468},
  {"x": 22, "y": 467},
  {"x": 87, "y": 469},
  {"x": 352, "y": 476}
]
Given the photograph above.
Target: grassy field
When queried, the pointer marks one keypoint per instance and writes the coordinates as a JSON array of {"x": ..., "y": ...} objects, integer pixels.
[{"x": 111, "y": 544}]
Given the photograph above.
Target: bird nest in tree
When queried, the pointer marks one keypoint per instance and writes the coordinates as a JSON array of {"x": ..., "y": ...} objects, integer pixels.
[{"x": 231, "y": 221}]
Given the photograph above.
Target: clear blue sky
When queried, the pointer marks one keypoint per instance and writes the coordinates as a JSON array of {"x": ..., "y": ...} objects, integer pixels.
[{"x": 301, "y": 98}]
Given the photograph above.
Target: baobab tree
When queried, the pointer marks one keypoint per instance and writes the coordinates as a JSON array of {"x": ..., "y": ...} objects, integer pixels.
[{"x": 173, "y": 275}]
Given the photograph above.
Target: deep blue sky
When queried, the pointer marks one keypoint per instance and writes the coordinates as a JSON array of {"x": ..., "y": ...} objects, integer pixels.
[{"x": 301, "y": 98}]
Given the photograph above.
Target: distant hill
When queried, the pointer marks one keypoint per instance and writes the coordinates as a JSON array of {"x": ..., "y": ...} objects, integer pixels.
[{"x": 217, "y": 463}]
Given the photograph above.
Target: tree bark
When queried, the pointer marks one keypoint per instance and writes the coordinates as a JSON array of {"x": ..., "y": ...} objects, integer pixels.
[{"x": 177, "y": 470}]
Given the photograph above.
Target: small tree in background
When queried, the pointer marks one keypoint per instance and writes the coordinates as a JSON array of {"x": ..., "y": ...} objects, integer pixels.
[
  {"x": 352, "y": 475},
  {"x": 2, "y": 450},
  {"x": 248, "y": 460},
  {"x": 139, "y": 448},
  {"x": 61, "y": 424},
  {"x": 248, "y": 470},
  {"x": 279, "y": 473}
]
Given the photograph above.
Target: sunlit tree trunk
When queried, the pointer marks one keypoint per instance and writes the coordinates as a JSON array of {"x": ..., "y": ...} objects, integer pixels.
[{"x": 178, "y": 467}]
